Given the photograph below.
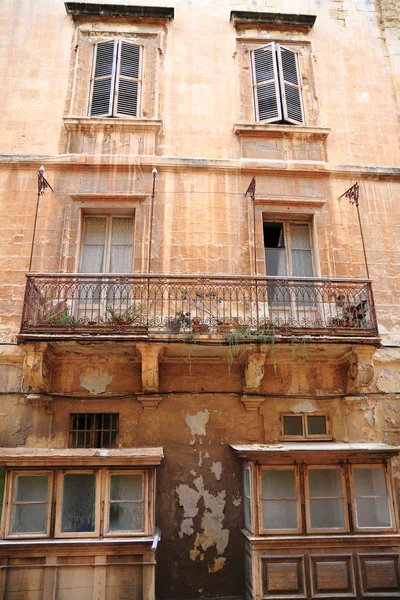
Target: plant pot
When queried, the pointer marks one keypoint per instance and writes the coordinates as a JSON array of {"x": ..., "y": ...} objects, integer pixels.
[{"x": 200, "y": 328}]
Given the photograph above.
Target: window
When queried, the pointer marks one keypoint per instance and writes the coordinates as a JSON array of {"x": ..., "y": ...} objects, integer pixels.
[
  {"x": 107, "y": 244},
  {"x": 288, "y": 249},
  {"x": 79, "y": 496},
  {"x": 116, "y": 79},
  {"x": 323, "y": 491},
  {"x": 89, "y": 430},
  {"x": 305, "y": 426},
  {"x": 277, "y": 85}
]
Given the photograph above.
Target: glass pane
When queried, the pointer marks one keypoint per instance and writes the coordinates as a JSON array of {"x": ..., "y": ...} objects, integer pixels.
[
  {"x": 95, "y": 230},
  {"x": 78, "y": 508},
  {"x": 278, "y": 483},
  {"x": 300, "y": 237},
  {"x": 316, "y": 425},
  {"x": 247, "y": 482},
  {"x": 126, "y": 487},
  {"x": 93, "y": 245},
  {"x": 126, "y": 516},
  {"x": 280, "y": 514},
  {"x": 302, "y": 263},
  {"x": 247, "y": 511},
  {"x": 373, "y": 512},
  {"x": 275, "y": 260},
  {"x": 2, "y": 480},
  {"x": 29, "y": 518},
  {"x": 122, "y": 231},
  {"x": 31, "y": 488},
  {"x": 293, "y": 425},
  {"x": 369, "y": 482},
  {"x": 327, "y": 513},
  {"x": 325, "y": 483},
  {"x": 92, "y": 259},
  {"x": 273, "y": 235},
  {"x": 121, "y": 259}
]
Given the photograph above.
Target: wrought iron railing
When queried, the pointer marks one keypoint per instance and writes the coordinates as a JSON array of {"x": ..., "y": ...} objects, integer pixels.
[{"x": 182, "y": 305}]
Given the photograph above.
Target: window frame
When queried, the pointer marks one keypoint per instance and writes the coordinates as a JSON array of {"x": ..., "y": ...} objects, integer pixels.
[
  {"x": 306, "y": 435},
  {"x": 93, "y": 430},
  {"x": 107, "y": 502},
  {"x": 115, "y": 78},
  {"x": 390, "y": 497},
  {"x": 8, "y": 509},
  {"x": 286, "y": 224},
  {"x": 109, "y": 216},
  {"x": 59, "y": 504},
  {"x": 277, "y": 531},
  {"x": 279, "y": 81},
  {"x": 315, "y": 530}
]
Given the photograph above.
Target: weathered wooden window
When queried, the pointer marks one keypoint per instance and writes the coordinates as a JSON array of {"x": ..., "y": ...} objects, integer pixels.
[
  {"x": 300, "y": 426},
  {"x": 288, "y": 249},
  {"x": 371, "y": 498},
  {"x": 93, "y": 430},
  {"x": 125, "y": 496},
  {"x": 29, "y": 511},
  {"x": 107, "y": 244},
  {"x": 279, "y": 498},
  {"x": 325, "y": 499},
  {"x": 116, "y": 79},
  {"x": 247, "y": 497},
  {"x": 78, "y": 509},
  {"x": 277, "y": 85}
]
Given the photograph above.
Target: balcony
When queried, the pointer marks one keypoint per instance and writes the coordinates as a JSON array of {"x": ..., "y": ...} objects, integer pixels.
[{"x": 187, "y": 306}]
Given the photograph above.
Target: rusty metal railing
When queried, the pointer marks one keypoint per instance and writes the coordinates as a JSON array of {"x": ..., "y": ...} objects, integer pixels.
[{"x": 179, "y": 305}]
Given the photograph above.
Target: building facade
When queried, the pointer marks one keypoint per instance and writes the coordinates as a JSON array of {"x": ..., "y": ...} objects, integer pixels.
[{"x": 199, "y": 301}]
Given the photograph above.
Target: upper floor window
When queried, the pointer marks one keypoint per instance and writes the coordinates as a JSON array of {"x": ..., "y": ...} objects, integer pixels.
[
  {"x": 116, "y": 79},
  {"x": 89, "y": 430},
  {"x": 301, "y": 426},
  {"x": 288, "y": 249},
  {"x": 107, "y": 244},
  {"x": 277, "y": 85}
]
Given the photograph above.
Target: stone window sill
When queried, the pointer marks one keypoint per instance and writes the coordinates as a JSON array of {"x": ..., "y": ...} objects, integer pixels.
[
  {"x": 272, "y": 131},
  {"x": 99, "y": 124}
]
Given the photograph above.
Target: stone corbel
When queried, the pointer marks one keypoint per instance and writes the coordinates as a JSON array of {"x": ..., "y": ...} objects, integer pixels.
[
  {"x": 254, "y": 371},
  {"x": 252, "y": 402},
  {"x": 149, "y": 401},
  {"x": 359, "y": 369},
  {"x": 37, "y": 366},
  {"x": 40, "y": 401},
  {"x": 151, "y": 354}
]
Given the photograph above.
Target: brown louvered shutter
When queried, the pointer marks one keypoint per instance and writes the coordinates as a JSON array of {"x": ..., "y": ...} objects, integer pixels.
[
  {"x": 265, "y": 84},
  {"x": 103, "y": 79},
  {"x": 128, "y": 80},
  {"x": 290, "y": 84}
]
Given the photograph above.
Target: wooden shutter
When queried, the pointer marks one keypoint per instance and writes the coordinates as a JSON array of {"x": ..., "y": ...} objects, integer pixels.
[
  {"x": 290, "y": 84},
  {"x": 266, "y": 84},
  {"x": 103, "y": 79},
  {"x": 128, "y": 80}
]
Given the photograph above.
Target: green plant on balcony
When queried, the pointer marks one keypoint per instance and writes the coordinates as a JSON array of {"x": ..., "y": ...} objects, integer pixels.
[
  {"x": 127, "y": 317},
  {"x": 182, "y": 320}
]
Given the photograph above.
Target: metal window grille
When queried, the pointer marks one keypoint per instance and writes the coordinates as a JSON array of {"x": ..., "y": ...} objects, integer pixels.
[{"x": 90, "y": 430}]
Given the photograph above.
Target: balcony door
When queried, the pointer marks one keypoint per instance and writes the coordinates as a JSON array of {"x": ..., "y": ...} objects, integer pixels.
[
  {"x": 107, "y": 248},
  {"x": 288, "y": 255}
]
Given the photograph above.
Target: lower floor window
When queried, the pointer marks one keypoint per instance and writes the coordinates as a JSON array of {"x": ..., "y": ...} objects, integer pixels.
[
  {"x": 327, "y": 492},
  {"x": 80, "y": 503}
]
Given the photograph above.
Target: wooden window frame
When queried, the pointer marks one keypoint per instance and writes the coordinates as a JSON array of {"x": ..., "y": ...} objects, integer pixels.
[
  {"x": 316, "y": 530},
  {"x": 306, "y": 435},
  {"x": 286, "y": 223},
  {"x": 278, "y": 79},
  {"x": 107, "y": 502},
  {"x": 59, "y": 504},
  {"x": 115, "y": 77},
  {"x": 390, "y": 498},
  {"x": 278, "y": 531},
  {"x": 107, "y": 245},
  {"x": 248, "y": 524},
  {"x": 92, "y": 431},
  {"x": 8, "y": 509}
]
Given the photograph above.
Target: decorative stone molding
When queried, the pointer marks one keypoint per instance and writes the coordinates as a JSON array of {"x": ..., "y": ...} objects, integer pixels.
[
  {"x": 252, "y": 402},
  {"x": 359, "y": 369},
  {"x": 151, "y": 354},
  {"x": 149, "y": 401},
  {"x": 37, "y": 366},
  {"x": 254, "y": 371},
  {"x": 40, "y": 401}
]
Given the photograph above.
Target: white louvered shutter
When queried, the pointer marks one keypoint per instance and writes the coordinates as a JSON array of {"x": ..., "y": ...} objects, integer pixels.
[
  {"x": 128, "y": 80},
  {"x": 103, "y": 79},
  {"x": 290, "y": 84},
  {"x": 266, "y": 85}
]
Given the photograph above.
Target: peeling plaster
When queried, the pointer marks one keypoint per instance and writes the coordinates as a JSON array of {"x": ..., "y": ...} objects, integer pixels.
[
  {"x": 219, "y": 564},
  {"x": 216, "y": 468},
  {"x": 305, "y": 407},
  {"x": 197, "y": 423},
  {"x": 236, "y": 501},
  {"x": 95, "y": 380},
  {"x": 388, "y": 381}
]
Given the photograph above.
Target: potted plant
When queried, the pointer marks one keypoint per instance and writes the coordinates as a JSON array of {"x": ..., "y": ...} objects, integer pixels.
[
  {"x": 181, "y": 320},
  {"x": 198, "y": 327}
]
